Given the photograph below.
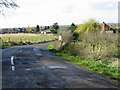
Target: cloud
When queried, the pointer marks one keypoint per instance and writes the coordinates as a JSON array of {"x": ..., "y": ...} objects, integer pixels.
[
  {"x": 105, "y": 5},
  {"x": 47, "y": 12}
]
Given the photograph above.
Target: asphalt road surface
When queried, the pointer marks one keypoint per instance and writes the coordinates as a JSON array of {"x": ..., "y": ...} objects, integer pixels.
[{"x": 33, "y": 66}]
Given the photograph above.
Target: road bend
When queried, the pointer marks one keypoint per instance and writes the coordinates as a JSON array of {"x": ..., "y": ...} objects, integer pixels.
[{"x": 33, "y": 66}]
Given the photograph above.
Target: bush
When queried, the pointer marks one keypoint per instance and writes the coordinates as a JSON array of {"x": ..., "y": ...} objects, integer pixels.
[{"x": 100, "y": 46}]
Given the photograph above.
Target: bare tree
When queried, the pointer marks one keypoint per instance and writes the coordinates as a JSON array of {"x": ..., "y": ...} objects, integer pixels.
[{"x": 7, "y": 4}]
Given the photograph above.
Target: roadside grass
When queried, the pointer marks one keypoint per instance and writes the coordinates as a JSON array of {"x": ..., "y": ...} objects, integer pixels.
[
  {"x": 6, "y": 45},
  {"x": 89, "y": 64}
]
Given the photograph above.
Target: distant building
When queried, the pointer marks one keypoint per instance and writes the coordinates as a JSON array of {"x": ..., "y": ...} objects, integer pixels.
[
  {"x": 106, "y": 27},
  {"x": 46, "y": 32}
]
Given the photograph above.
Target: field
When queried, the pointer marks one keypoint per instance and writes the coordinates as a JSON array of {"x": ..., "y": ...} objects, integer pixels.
[
  {"x": 26, "y": 37},
  {"x": 9, "y": 40}
]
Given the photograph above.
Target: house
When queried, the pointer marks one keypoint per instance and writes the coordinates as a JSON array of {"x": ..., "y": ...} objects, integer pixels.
[
  {"x": 106, "y": 27},
  {"x": 46, "y": 32}
]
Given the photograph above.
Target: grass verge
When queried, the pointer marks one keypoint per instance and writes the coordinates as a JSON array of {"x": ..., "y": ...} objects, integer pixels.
[
  {"x": 89, "y": 64},
  {"x": 6, "y": 45}
]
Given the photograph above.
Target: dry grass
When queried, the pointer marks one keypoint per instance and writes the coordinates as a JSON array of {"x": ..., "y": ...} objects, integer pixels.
[
  {"x": 26, "y": 37},
  {"x": 23, "y": 35}
]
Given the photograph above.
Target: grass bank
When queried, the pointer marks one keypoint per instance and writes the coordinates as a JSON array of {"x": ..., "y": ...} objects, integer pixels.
[
  {"x": 89, "y": 64},
  {"x": 6, "y": 45}
]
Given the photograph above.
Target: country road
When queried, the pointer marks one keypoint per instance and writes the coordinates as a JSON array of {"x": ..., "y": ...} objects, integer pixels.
[{"x": 33, "y": 66}]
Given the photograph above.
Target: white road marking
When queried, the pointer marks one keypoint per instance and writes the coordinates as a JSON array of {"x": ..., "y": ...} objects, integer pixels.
[
  {"x": 13, "y": 68},
  {"x": 12, "y": 58},
  {"x": 28, "y": 69},
  {"x": 57, "y": 67},
  {"x": 39, "y": 54},
  {"x": 35, "y": 49},
  {"x": 12, "y": 63}
]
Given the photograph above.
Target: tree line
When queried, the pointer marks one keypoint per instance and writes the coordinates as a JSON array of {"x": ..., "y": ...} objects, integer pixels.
[{"x": 36, "y": 29}]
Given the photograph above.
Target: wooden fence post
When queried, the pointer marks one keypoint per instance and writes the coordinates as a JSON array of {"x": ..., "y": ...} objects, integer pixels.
[{"x": 9, "y": 39}]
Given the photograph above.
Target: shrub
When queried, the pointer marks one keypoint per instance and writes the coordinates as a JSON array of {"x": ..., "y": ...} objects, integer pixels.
[{"x": 100, "y": 46}]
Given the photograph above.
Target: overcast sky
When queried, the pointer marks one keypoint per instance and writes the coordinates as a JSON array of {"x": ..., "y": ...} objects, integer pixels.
[{"x": 65, "y": 12}]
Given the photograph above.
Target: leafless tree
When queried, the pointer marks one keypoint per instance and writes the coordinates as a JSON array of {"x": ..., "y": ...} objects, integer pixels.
[{"x": 7, "y": 4}]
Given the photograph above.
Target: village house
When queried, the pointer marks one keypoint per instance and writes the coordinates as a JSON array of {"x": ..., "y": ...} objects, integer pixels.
[
  {"x": 109, "y": 28},
  {"x": 46, "y": 32},
  {"x": 106, "y": 27}
]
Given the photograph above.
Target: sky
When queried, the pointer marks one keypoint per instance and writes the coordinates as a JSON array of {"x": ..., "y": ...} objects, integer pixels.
[{"x": 65, "y": 12}]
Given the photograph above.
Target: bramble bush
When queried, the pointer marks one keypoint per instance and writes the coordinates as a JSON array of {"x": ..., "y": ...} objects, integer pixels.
[{"x": 101, "y": 47}]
